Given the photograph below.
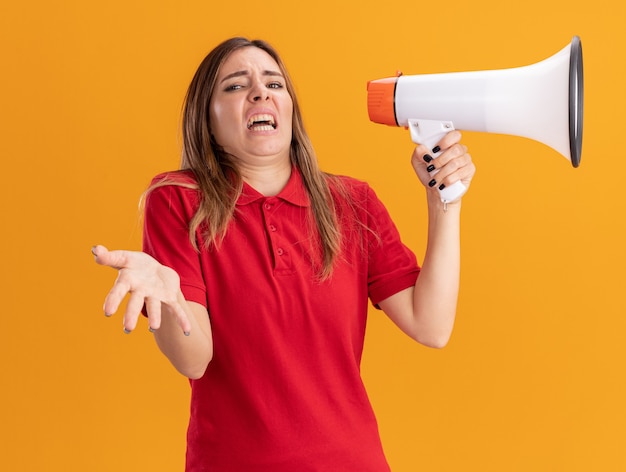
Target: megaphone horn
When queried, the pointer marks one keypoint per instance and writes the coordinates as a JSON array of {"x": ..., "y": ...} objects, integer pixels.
[{"x": 542, "y": 101}]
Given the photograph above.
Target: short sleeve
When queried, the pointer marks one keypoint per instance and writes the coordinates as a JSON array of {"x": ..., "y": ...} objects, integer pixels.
[
  {"x": 392, "y": 266},
  {"x": 168, "y": 211}
]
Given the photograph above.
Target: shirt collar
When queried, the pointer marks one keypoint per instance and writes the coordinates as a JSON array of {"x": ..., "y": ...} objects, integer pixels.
[{"x": 294, "y": 192}]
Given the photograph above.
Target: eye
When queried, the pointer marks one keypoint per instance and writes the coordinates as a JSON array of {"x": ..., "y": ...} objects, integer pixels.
[
  {"x": 275, "y": 85},
  {"x": 232, "y": 87}
]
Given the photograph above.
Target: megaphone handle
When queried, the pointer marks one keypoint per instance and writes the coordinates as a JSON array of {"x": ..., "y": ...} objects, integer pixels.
[{"x": 428, "y": 133}]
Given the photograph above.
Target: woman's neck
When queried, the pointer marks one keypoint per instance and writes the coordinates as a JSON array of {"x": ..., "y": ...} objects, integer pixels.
[{"x": 268, "y": 180}]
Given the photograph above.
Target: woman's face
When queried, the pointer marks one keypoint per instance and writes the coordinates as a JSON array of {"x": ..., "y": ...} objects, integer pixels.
[{"x": 251, "y": 109}]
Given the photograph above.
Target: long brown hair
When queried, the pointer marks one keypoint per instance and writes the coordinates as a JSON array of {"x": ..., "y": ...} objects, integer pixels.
[{"x": 219, "y": 181}]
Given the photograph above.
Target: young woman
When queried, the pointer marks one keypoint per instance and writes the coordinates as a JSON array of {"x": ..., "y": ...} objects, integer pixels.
[{"x": 257, "y": 270}]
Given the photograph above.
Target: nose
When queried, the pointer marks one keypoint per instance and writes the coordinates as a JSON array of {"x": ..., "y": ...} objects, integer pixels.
[
  {"x": 263, "y": 95},
  {"x": 259, "y": 93}
]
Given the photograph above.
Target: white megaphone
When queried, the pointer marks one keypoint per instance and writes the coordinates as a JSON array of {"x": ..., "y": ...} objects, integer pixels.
[{"x": 542, "y": 101}]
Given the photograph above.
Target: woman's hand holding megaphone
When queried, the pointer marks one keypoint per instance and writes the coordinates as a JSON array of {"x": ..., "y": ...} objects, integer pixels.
[{"x": 446, "y": 169}]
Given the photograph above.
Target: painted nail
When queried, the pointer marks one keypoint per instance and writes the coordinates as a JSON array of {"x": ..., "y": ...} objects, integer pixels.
[
  {"x": 427, "y": 157},
  {"x": 436, "y": 149},
  {"x": 108, "y": 315},
  {"x": 127, "y": 331},
  {"x": 430, "y": 168},
  {"x": 186, "y": 333},
  {"x": 442, "y": 186},
  {"x": 93, "y": 250},
  {"x": 151, "y": 329},
  {"x": 432, "y": 183}
]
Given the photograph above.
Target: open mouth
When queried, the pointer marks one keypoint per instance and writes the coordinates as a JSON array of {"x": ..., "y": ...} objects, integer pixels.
[{"x": 263, "y": 122}]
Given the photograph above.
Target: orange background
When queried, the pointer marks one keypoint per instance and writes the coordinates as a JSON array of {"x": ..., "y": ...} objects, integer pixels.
[{"x": 533, "y": 378}]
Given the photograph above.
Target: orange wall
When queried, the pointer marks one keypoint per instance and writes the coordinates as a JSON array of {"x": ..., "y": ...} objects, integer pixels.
[{"x": 90, "y": 98}]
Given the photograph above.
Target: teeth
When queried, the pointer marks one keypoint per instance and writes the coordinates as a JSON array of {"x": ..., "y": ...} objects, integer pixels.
[{"x": 264, "y": 122}]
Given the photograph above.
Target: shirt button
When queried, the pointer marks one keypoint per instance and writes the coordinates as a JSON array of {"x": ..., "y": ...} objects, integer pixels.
[
  {"x": 268, "y": 206},
  {"x": 280, "y": 251},
  {"x": 272, "y": 228}
]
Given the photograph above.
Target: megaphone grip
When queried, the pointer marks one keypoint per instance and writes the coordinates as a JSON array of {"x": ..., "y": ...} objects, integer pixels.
[
  {"x": 453, "y": 192},
  {"x": 428, "y": 133}
]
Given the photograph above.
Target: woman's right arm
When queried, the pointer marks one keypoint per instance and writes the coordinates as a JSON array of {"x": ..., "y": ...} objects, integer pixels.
[{"x": 181, "y": 328}]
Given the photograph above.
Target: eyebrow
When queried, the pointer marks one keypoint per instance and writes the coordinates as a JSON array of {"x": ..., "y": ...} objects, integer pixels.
[{"x": 243, "y": 73}]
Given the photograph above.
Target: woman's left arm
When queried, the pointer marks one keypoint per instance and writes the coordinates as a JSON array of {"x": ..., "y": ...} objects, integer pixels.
[{"x": 426, "y": 312}]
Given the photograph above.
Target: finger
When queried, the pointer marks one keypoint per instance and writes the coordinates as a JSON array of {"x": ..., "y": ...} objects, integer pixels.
[
  {"x": 423, "y": 156},
  {"x": 450, "y": 139},
  {"x": 461, "y": 168},
  {"x": 181, "y": 317},
  {"x": 443, "y": 162},
  {"x": 456, "y": 158},
  {"x": 99, "y": 253},
  {"x": 153, "y": 310},
  {"x": 133, "y": 309},
  {"x": 455, "y": 151},
  {"x": 419, "y": 152},
  {"x": 115, "y": 296},
  {"x": 447, "y": 164},
  {"x": 115, "y": 259},
  {"x": 421, "y": 159}
]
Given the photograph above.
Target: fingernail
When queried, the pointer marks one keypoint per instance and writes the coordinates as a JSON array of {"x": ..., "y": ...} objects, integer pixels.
[
  {"x": 427, "y": 157},
  {"x": 186, "y": 333},
  {"x": 93, "y": 250},
  {"x": 108, "y": 315},
  {"x": 127, "y": 331},
  {"x": 436, "y": 149},
  {"x": 430, "y": 168},
  {"x": 151, "y": 329},
  {"x": 442, "y": 186},
  {"x": 432, "y": 183}
]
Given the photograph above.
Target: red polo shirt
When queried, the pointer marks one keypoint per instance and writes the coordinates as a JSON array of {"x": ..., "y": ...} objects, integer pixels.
[{"x": 283, "y": 391}]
